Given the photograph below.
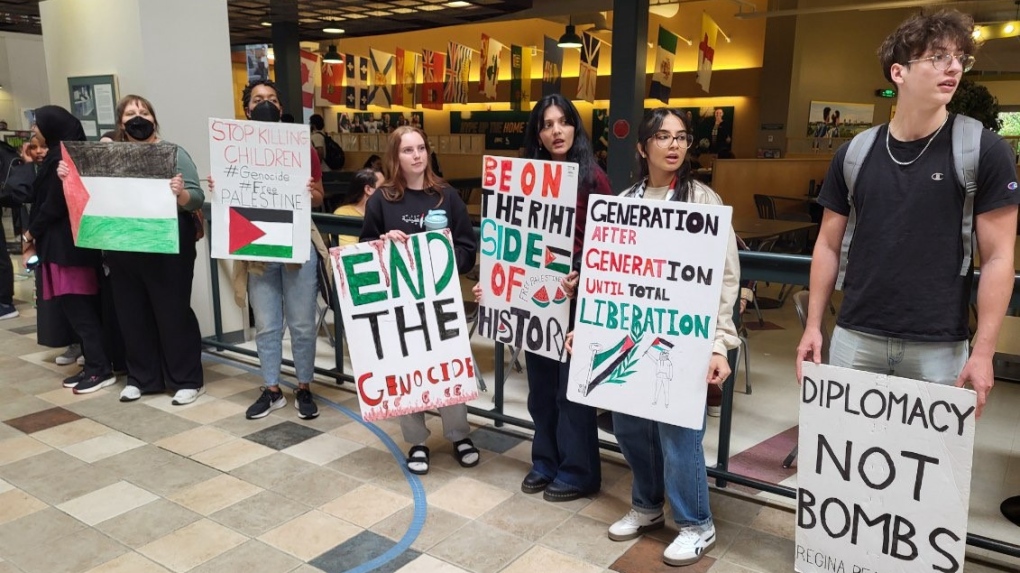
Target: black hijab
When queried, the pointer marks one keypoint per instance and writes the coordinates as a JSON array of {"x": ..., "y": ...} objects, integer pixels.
[{"x": 56, "y": 124}]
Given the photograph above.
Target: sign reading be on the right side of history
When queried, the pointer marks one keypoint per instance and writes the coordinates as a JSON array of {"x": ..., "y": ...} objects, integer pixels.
[{"x": 883, "y": 473}]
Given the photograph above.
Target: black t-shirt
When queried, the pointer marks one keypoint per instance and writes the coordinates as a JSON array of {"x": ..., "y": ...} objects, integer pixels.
[
  {"x": 408, "y": 215},
  {"x": 903, "y": 268}
]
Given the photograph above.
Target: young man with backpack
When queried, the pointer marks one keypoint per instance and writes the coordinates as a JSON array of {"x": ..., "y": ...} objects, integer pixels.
[
  {"x": 904, "y": 205},
  {"x": 331, "y": 155}
]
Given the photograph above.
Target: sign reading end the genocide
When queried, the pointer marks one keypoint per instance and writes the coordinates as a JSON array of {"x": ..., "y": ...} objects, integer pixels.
[
  {"x": 527, "y": 243},
  {"x": 402, "y": 303},
  {"x": 884, "y": 473},
  {"x": 261, "y": 210},
  {"x": 651, "y": 278}
]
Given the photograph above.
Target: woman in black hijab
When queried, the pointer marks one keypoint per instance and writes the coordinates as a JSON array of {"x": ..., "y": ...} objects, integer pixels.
[{"x": 69, "y": 274}]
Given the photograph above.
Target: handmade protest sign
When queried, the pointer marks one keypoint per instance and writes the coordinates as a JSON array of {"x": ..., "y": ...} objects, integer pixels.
[
  {"x": 651, "y": 278},
  {"x": 261, "y": 208},
  {"x": 527, "y": 243},
  {"x": 118, "y": 196},
  {"x": 884, "y": 472},
  {"x": 402, "y": 302}
]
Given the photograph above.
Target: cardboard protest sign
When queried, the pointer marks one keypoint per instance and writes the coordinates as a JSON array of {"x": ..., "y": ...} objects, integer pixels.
[
  {"x": 402, "y": 303},
  {"x": 527, "y": 243},
  {"x": 118, "y": 196},
  {"x": 261, "y": 209},
  {"x": 884, "y": 473},
  {"x": 651, "y": 278}
]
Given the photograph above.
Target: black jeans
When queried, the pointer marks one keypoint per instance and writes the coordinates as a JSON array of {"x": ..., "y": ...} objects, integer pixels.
[
  {"x": 6, "y": 272},
  {"x": 83, "y": 312}
]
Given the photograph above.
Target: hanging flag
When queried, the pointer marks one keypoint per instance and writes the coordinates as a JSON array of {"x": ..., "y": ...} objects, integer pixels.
[
  {"x": 706, "y": 50},
  {"x": 662, "y": 77},
  {"x": 332, "y": 89},
  {"x": 458, "y": 68},
  {"x": 552, "y": 68},
  {"x": 383, "y": 73},
  {"x": 117, "y": 196},
  {"x": 589, "y": 72},
  {"x": 309, "y": 65},
  {"x": 407, "y": 78},
  {"x": 520, "y": 78},
  {"x": 492, "y": 52},
  {"x": 356, "y": 93},
  {"x": 433, "y": 73}
]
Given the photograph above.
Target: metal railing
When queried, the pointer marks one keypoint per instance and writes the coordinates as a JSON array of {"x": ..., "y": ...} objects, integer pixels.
[{"x": 770, "y": 267}]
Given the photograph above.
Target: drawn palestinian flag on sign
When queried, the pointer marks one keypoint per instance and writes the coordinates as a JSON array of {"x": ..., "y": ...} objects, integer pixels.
[
  {"x": 557, "y": 259},
  {"x": 118, "y": 196},
  {"x": 604, "y": 363},
  {"x": 261, "y": 232},
  {"x": 661, "y": 344}
]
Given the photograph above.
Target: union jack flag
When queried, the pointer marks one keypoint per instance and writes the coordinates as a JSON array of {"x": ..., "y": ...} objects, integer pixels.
[
  {"x": 458, "y": 68},
  {"x": 433, "y": 72}
]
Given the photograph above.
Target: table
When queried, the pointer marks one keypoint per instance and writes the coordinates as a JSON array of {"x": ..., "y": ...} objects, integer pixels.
[{"x": 758, "y": 229}]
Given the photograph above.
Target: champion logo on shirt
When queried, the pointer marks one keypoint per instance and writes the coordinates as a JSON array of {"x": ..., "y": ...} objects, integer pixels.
[
  {"x": 1011, "y": 186},
  {"x": 937, "y": 176}
]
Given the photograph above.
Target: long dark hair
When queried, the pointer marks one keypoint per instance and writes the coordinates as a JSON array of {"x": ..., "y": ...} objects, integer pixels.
[
  {"x": 395, "y": 184},
  {"x": 356, "y": 188},
  {"x": 580, "y": 151},
  {"x": 652, "y": 123}
]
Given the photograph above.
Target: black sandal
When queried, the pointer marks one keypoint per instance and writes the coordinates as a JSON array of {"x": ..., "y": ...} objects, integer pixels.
[
  {"x": 418, "y": 455},
  {"x": 462, "y": 453}
]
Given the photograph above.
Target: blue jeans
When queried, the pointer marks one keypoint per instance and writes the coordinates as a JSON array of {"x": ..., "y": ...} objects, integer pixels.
[
  {"x": 280, "y": 291},
  {"x": 668, "y": 462},
  {"x": 566, "y": 443},
  {"x": 938, "y": 362}
]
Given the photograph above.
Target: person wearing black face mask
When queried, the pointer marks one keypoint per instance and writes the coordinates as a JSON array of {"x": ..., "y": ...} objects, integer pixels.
[
  {"x": 282, "y": 294},
  {"x": 152, "y": 291}
]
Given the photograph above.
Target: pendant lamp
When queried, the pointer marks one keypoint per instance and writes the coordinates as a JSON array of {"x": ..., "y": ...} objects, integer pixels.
[
  {"x": 332, "y": 56},
  {"x": 569, "y": 39}
]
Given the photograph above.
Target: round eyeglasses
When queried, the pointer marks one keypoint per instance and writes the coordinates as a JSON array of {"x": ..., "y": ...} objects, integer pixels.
[
  {"x": 942, "y": 62},
  {"x": 664, "y": 139}
]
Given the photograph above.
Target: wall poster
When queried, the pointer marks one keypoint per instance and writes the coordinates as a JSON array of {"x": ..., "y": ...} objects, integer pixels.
[{"x": 94, "y": 101}]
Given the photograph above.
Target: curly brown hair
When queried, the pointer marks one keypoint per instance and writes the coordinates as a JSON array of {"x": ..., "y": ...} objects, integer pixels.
[{"x": 927, "y": 30}]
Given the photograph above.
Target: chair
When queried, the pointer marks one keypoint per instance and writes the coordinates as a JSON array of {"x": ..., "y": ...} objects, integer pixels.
[{"x": 800, "y": 303}]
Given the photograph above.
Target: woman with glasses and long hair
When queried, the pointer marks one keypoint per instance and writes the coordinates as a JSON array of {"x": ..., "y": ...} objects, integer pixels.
[
  {"x": 396, "y": 211},
  {"x": 668, "y": 461}
]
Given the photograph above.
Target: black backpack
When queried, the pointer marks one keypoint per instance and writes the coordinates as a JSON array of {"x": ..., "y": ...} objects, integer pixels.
[{"x": 335, "y": 157}]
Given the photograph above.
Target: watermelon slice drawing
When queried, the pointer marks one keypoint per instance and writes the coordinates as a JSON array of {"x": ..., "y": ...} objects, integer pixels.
[
  {"x": 560, "y": 297},
  {"x": 541, "y": 298}
]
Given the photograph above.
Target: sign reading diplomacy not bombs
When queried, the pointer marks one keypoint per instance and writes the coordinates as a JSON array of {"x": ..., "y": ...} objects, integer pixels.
[
  {"x": 884, "y": 473},
  {"x": 527, "y": 243},
  {"x": 261, "y": 210},
  {"x": 651, "y": 278},
  {"x": 402, "y": 303}
]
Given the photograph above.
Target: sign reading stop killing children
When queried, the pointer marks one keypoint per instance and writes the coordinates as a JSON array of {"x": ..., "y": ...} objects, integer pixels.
[
  {"x": 651, "y": 278},
  {"x": 261, "y": 210},
  {"x": 402, "y": 302},
  {"x": 527, "y": 243},
  {"x": 884, "y": 473}
]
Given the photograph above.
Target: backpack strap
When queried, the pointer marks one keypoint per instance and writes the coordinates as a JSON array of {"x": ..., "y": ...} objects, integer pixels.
[
  {"x": 856, "y": 153},
  {"x": 966, "y": 156}
]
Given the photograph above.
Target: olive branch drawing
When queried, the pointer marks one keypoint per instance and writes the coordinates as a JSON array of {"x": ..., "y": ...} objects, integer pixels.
[{"x": 627, "y": 367}]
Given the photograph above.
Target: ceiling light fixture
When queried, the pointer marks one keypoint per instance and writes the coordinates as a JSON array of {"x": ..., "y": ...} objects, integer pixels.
[
  {"x": 332, "y": 56},
  {"x": 332, "y": 29},
  {"x": 458, "y": 4},
  {"x": 569, "y": 39}
]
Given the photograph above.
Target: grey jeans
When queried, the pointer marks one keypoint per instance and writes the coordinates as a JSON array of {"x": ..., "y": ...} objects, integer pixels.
[
  {"x": 938, "y": 362},
  {"x": 455, "y": 425}
]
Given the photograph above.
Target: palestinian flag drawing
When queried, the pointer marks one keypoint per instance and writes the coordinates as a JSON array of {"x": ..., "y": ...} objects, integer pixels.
[
  {"x": 118, "y": 196},
  {"x": 605, "y": 362},
  {"x": 261, "y": 232},
  {"x": 557, "y": 259},
  {"x": 661, "y": 344}
]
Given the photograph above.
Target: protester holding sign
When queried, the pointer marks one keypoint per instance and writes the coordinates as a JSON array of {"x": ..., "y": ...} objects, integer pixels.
[
  {"x": 565, "y": 462},
  {"x": 68, "y": 273},
  {"x": 282, "y": 291},
  {"x": 398, "y": 209},
  {"x": 152, "y": 291},
  {"x": 668, "y": 460}
]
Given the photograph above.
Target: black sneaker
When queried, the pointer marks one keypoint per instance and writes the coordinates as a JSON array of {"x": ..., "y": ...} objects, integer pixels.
[
  {"x": 93, "y": 383},
  {"x": 72, "y": 381},
  {"x": 8, "y": 311},
  {"x": 305, "y": 404},
  {"x": 266, "y": 403}
]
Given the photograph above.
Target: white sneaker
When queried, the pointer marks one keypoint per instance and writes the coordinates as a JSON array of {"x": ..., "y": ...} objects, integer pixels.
[
  {"x": 634, "y": 524},
  {"x": 187, "y": 396},
  {"x": 69, "y": 356},
  {"x": 689, "y": 546},
  {"x": 81, "y": 360},
  {"x": 715, "y": 411},
  {"x": 130, "y": 393}
]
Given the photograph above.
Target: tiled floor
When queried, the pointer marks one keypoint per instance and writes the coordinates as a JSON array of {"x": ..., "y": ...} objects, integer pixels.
[{"x": 88, "y": 484}]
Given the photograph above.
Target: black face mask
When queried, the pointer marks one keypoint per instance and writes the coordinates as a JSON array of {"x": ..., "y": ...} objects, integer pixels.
[
  {"x": 139, "y": 128},
  {"x": 265, "y": 111}
]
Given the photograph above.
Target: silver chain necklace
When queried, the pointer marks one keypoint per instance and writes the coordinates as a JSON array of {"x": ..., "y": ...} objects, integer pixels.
[{"x": 931, "y": 139}]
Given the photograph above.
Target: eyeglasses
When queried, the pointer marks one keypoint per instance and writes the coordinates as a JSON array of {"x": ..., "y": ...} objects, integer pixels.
[
  {"x": 664, "y": 139},
  {"x": 942, "y": 62}
]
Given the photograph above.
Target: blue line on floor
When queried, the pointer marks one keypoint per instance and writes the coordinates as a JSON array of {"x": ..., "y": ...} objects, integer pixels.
[{"x": 417, "y": 489}]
